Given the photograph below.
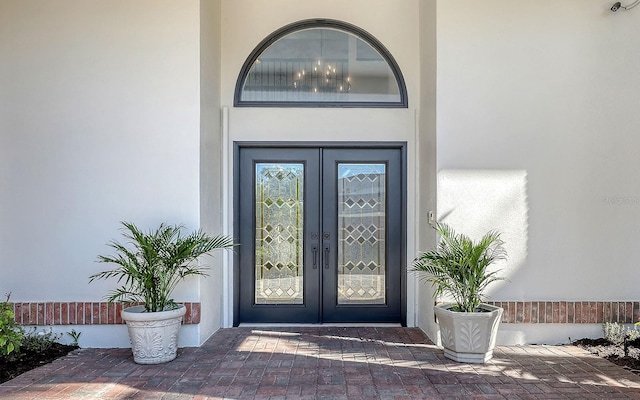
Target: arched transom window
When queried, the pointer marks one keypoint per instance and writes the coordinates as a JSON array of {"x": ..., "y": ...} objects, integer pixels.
[{"x": 320, "y": 63}]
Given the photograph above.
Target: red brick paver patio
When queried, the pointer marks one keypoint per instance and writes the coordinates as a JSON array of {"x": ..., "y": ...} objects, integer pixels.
[{"x": 327, "y": 363}]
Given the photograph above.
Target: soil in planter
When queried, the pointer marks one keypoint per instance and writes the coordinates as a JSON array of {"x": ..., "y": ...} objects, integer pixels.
[
  {"x": 28, "y": 360},
  {"x": 613, "y": 352}
]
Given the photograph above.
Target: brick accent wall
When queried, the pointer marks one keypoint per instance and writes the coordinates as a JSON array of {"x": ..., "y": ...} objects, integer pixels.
[
  {"x": 568, "y": 312},
  {"x": 83, "y": 313}
]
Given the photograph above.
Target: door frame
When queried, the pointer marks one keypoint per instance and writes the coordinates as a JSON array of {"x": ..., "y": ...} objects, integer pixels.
[{"x": 402, "y": 146}]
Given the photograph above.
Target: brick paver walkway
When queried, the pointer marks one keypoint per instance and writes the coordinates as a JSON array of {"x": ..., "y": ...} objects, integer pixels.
[{"x": 327, "y": 363}]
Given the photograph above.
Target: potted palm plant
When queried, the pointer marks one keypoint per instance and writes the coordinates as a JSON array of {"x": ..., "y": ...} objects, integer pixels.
[
  {"x": 459, "y": 269},
  {"x": 150, "y": 268}
]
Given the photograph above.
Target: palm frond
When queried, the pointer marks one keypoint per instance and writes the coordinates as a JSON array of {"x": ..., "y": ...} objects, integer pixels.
[
  {"x": 153, "y": 263},
  {"x": 458, "y": 267}
]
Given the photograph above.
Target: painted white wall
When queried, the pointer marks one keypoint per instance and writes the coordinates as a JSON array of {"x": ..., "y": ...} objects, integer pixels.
[
  {"x": 99, "y": 336},
  {"x": 99, "y": 114},
  {"x": 537, "y": 135},
  {"x": 247, "y": 22},
  {"x": 100, "y": 121},
  {"x": 212, "y": 292},
  {"x": 395, "y": 24},
  {"x": 426, "y": 156}
]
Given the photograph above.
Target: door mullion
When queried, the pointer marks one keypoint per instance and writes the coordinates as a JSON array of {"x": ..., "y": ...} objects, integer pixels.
[{"x": 321, "y": 229}]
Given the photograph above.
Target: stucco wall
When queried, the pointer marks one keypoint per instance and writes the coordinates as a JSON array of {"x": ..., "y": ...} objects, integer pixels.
[
  {"x": 99, "y": 123},
  {"x": 395, "y": 24},
  {"x": 426, "y": 151},
  {"x": 213, "y": 292},
  {"x": 538, "y": 137},
  {"x": 535, "y": 115}
]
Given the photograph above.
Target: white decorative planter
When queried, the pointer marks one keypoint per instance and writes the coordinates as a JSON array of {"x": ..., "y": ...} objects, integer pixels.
[
  {"x": 468, "y": 337},
  {"x": 154, "y": 335}
]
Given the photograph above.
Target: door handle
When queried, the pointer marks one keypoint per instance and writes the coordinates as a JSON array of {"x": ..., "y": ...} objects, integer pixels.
[
  {"x": 327, "y": 250},
  {"x": 314, "y": 250}
]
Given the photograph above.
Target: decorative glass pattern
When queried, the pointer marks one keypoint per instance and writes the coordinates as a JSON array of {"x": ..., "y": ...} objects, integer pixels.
[
  {"x": 279, "y": 234},
  {"x": 361, "y": 233}
]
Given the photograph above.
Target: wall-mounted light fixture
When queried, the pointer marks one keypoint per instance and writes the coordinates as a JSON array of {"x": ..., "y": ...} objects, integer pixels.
[{"x": 618, "y": 5}]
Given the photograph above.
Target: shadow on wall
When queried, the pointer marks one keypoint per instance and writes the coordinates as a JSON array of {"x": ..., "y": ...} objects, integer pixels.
[{"x": 476, "y": 201}]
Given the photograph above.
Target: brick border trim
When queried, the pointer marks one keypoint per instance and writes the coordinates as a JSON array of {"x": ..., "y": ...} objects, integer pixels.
[
  {"x": 568, "y": 312},
  {"x": 83, "y": 313},
  {"x": 515, "y": 312}
]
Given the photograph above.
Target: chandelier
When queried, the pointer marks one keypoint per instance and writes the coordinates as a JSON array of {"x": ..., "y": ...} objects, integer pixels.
[{"x": 322, "y": 78}]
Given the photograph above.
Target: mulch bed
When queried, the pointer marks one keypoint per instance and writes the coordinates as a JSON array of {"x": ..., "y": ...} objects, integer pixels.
[
  {"x": 613, "y": 352},
  {"x": 28, "y": 360}
]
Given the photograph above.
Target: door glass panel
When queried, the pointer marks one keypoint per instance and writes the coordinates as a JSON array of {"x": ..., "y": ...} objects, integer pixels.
[
  {"x": 361, "y": 233},
  {"x": 279, "y": 233}
]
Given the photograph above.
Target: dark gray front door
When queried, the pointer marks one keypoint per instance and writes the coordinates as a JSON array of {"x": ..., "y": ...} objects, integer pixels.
[{"x": 321, "y": 235}]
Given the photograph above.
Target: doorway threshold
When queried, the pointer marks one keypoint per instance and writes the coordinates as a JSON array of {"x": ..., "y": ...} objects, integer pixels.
[{"x": 333, "y": 324}]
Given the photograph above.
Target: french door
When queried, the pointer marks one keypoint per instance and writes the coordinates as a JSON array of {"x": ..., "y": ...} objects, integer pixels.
[{"x": 321, "y": 234}]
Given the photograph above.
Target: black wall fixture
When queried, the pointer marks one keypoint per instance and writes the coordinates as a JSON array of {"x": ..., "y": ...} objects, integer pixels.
[{"x": 618, "y": 5}]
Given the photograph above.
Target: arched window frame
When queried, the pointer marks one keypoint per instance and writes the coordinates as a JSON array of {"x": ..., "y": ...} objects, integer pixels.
[{"x": 321, "y": 23}]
